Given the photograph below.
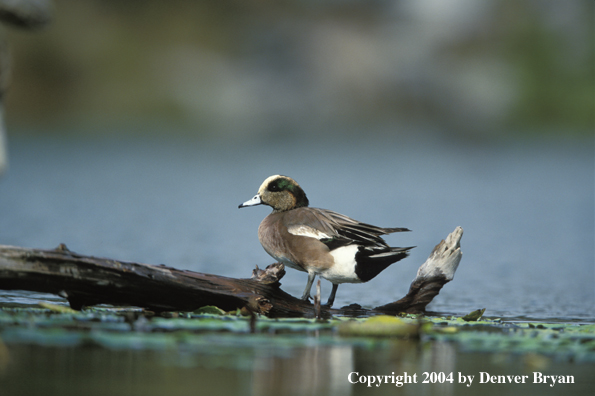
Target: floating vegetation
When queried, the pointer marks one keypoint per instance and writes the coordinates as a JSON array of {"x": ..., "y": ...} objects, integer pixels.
[
  {"x": 474, "y": 316},
  {"x": 134, "y": 329},
  {"x": 382, "y": 326}
]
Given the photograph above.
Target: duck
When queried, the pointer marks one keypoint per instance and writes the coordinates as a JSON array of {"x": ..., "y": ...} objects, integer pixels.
[{"x": 320, "y": 241}]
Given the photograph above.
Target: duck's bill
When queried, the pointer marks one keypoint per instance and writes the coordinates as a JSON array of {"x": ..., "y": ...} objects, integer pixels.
[{"x": 253, "y": 202}]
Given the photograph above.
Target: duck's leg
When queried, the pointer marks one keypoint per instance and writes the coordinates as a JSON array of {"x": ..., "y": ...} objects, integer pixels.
[
  {"x": 331, "y": 298},
  {"x": 306, "y": 295}
]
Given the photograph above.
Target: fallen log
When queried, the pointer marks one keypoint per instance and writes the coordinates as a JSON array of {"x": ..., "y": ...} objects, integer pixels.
[{"x": 85, "y": 281}]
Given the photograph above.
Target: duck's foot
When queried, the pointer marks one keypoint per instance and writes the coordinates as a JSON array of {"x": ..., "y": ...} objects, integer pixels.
[{"x": 306, "y": 297}]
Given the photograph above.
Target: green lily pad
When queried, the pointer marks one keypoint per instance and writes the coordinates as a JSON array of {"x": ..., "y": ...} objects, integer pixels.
[
  {"x": 474, "y": 316},
  {"x": 379, "y": 326}
]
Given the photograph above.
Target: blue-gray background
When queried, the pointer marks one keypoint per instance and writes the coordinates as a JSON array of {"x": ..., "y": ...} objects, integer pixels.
[{"x": 136, "y": 128}]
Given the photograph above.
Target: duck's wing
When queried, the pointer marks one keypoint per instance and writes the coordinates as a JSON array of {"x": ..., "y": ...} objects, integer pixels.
[
  {"x": 334, "y": 229},
  {"x": 361, "y": 233},
  {"x": 308, "y": 222}
]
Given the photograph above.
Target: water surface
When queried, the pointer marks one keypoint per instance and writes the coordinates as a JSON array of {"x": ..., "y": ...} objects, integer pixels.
[{"x": 526, "y": 208}]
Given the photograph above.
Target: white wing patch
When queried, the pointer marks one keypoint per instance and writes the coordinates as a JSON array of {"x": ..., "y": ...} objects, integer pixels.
[{"x": 303, "y": 230}]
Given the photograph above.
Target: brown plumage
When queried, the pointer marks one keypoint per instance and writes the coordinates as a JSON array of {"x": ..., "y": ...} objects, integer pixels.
[{"x": 320, "y": 241}]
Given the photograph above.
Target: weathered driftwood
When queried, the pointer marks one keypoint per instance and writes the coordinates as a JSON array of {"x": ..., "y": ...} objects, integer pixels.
[{"x": 86, "y": 281}]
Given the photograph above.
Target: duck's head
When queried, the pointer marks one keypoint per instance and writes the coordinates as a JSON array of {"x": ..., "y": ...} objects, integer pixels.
[{"x": 282, "y": 193}]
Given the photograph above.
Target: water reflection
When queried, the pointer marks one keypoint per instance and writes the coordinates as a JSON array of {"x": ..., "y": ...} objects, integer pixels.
[
  {"x": 319, "y": 369},
  {"x": 269, "y": 369}
]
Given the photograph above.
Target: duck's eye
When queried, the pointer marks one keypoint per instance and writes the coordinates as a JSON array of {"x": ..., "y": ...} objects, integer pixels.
[{"x": 273, "y": 187}]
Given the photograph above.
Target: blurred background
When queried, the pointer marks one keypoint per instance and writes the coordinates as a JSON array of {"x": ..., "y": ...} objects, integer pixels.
[
  {"x": 135, "y": 128},
  {"x": 253, "y": 69}
]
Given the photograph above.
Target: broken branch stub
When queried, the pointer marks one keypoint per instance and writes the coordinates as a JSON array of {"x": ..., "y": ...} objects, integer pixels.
[{"x": 434, "y": 273}]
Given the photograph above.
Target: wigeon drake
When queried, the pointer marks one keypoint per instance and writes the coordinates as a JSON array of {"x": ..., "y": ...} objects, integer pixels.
[{"x": 320, "y": 241}]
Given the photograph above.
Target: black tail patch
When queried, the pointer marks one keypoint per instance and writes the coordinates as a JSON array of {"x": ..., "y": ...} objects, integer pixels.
[{"x": 372, "y": 261}]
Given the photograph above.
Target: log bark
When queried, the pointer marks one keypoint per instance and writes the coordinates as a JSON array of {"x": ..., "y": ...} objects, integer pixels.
[{"x": 85, "y": 281}]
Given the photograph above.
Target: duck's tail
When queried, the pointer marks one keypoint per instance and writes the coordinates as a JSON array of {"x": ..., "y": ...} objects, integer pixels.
[{"x": 370, "y": 261}]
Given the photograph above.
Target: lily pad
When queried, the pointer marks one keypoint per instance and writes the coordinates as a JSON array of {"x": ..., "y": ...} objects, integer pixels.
[
  {"x": 380, "y": 326},
  {"x": 210, "y": 309},
  {"x": 474, "y": 316},
  {"x": 57, "y": 308}
]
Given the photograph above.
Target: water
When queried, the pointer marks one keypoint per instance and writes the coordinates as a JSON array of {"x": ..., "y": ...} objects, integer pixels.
[
  {"x": 527, "y": 210},
  {"x": 315, "y": 370}
]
